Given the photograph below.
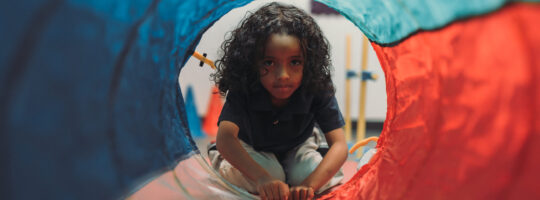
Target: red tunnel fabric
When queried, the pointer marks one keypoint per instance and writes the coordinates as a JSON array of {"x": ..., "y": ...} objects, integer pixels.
[{"x": 462, "y": 113}]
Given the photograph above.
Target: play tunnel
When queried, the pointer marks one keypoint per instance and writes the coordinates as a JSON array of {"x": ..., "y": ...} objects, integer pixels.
[{"x": 91, "y": 107}]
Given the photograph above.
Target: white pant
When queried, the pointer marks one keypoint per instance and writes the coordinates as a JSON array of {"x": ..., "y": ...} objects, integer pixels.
[{"x": 297, "y": 165}]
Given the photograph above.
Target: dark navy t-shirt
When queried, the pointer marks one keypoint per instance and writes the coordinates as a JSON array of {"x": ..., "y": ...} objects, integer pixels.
[{"x": 278, "y": 130}]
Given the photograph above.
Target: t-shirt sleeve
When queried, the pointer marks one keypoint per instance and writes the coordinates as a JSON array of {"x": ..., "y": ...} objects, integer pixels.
[
  {"x": 233, "y": 109},
  {"x": 327, "y": 113}
]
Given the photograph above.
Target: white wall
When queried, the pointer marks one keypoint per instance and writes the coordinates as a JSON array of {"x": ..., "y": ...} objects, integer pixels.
[{"x": 334, "y": 27}]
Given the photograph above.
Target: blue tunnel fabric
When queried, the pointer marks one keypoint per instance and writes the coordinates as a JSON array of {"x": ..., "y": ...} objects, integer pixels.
[
  {"x": 390, "y": 21},
  {"x": 90, "y": 101}
]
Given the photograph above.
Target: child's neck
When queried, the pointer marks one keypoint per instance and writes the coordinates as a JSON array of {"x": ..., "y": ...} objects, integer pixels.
[{"x": 279, "y": 103}]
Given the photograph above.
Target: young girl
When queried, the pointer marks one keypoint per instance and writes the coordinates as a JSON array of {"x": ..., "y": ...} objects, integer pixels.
[{"x": 275, "y": 72}]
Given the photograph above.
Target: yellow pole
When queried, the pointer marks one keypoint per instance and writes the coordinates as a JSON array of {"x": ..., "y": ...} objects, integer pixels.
[
  {"x": 348, "y": 135},
  {"x": 361, "y": 122},
  {"x": 204, "y": 59}
]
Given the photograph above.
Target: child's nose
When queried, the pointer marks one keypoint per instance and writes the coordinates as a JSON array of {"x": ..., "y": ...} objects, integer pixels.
[{"x": 282, "y": 73}]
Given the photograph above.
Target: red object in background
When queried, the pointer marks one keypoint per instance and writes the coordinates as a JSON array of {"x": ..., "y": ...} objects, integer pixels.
[
  {"x": 462, "y": 119},
  {"x": 212, "y": 113}
]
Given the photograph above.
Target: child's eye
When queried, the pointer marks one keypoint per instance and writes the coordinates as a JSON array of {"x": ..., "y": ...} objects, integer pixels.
[
  {"x": 296, "y": 62},
  {"x": 267, "y": 63}
]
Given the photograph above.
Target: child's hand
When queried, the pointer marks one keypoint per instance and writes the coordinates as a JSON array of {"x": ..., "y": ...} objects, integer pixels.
[
  {"x": 301, "y": 192},
  {"x": 272, "y": 189}
]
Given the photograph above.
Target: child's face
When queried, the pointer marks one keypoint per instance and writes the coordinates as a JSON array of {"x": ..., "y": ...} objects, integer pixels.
[{"x": 282, "y": 67}]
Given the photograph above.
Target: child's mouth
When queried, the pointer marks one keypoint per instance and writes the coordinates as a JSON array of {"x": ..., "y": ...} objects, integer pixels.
[{"x": 282, "y": 88}]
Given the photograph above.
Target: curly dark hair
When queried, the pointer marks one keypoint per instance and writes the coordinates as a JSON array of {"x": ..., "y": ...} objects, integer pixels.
[{"x": 237, "y": 68}]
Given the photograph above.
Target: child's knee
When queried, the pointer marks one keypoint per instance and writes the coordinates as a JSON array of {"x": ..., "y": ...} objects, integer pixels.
[
  {"x": 272, "y": 166},
  {"x": 267, "y": 161},
  {"x": 300, "y": 170}
]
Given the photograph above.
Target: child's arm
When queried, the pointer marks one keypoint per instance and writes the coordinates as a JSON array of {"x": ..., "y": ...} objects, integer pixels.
[
  {"x": 230, "y": 148},
  {"x": 332, "y": 161}
]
